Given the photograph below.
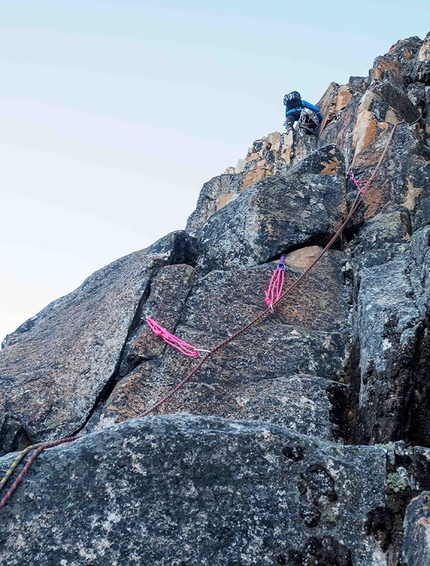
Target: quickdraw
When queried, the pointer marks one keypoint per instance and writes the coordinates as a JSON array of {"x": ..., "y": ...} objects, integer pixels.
[
  {"x": 276, "y": 284},
  {"x": 174, "y": 341},
  {"x": 360, "y": 184}
]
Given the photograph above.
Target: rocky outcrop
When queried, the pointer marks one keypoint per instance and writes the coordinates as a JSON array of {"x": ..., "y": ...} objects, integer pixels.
[
  {"x": 299, "y": 349},
  {"x": 56, "y": 367},
  {"x": 164, "y": 491},
  {"x": 305, "y": 440},
  {"x": 276, "y": 214},
  {"x": 416, "y": 546}
]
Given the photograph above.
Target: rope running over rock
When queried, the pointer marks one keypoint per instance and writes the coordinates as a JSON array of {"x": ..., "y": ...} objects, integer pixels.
[
  {"x": 45, "y": 445},
  {"x": 39, "y": 448}
]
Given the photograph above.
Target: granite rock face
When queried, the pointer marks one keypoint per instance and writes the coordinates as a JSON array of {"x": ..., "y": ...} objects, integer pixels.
[
  {"x": 277, "y": 214},
  {"x": 164, "y": 491},
  {"x": 302, "y": 441},
  {"x": 416, "y": 547},
  {"x": 55, "y": 367},
  {"x": 300, "y": 348}
]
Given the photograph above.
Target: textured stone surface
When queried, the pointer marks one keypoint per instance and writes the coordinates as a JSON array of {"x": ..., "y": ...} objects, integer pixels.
[
  {"x": 196, "y": 491},
  {"x": 270, "y": 371},
  {"x": 215, "y": 194},
  {"x": 276, "y": 214},
  {"x": 54, "y": 367},
  {"x": 392, "y": 329},
  {"x": 164, "y": 303},
  {"x": 275, "y": 154},
  {"x": 416, "y": 546},
  {"x": 344, "y": 358}
]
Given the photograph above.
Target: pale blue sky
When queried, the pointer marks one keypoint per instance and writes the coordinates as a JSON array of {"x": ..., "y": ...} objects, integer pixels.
[{"x": 114, "y": 113}]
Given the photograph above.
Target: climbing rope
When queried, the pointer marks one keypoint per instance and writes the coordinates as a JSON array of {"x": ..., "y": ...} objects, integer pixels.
[
  {"x": 16, "y": 462},
  {"x": 38, "y": 449},
  {"x": 277, "y": 298}
]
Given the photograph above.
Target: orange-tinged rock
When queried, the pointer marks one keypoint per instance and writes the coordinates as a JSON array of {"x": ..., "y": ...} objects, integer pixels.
[
  {"x": 365, "y": 130},
  {"x": 343, "y": 98}
]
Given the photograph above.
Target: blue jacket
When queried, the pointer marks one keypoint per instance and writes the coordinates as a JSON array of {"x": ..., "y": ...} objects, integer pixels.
[{"x": 308, "y": 105}]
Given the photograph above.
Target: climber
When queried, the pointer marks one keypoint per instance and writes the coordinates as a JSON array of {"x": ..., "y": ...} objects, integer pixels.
[{"x": 294, "y": 105}]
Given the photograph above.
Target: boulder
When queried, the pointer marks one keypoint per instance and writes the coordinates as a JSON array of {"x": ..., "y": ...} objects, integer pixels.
[
  {"x": 277, "y": 214},
  {"x": 198, "y": 491}
]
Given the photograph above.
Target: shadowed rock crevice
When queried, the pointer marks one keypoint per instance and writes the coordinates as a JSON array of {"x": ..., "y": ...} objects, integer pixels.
[
  {"x": 408, "y": 473},
  {"x": 128, "y": 361},
  {"x": 13, "y": 436},
  {"x": 417, "y": 410},
  {"x": 110, "y": 384},
  {"x": 167, "y": 297},
  {"x": 393, "y": 530},
  {"x": 345, "y": 402},
  {"x": 386, "y": 524},
  {"x": 186, "y": 250},
  {"x": 316, "y": 243},
  {"x": 326, "y": 551},
  {"x": 343, "y": 411}
]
